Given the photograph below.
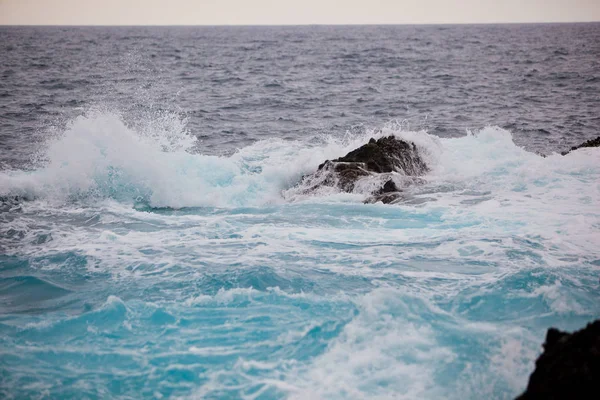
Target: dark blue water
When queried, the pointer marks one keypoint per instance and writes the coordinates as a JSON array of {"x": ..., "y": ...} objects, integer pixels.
[{"x": 163, "y": 248}]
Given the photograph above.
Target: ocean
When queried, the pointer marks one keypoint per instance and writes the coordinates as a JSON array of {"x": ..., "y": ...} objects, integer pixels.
[{"x": 154, "y": 242}]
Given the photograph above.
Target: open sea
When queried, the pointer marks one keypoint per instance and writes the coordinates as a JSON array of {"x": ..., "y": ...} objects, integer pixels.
[{"x": 153, "y": 242}]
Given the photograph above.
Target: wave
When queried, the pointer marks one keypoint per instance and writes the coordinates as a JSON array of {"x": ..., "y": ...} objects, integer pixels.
[
  {"x": 156, "y": 163},
  {"x": 444, "y": 295}
]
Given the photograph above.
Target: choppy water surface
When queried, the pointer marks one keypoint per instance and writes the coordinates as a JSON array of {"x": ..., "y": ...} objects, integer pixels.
[{"x": 164, "y": 251}]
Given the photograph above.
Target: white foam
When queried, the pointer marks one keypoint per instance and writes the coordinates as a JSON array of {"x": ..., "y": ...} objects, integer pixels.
[
  {"x": 99, "y": 156},
  {"x": 381, "y": 351}
]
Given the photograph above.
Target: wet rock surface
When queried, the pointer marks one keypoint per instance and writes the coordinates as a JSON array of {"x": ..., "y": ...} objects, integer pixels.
[
  {"x": 383, "y": 159},
  {"x": 569, "y": 367},
  {"x": 10, "y": 203},
  {"x": 589, "y": 143}
]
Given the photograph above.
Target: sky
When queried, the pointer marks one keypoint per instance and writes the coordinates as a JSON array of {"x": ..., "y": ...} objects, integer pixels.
[{"x": 292, "y": 12}]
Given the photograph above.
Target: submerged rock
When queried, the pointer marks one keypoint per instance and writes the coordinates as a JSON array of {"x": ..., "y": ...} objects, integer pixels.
[
  {"x": 10, "y": 203},
  {"x": 381, "y": 159},
  {"x": 569, "y": 367},
  {"x": 589, "y": 143}
]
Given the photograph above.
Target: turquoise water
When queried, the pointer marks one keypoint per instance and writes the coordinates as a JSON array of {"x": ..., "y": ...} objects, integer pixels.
[{"x": 140, "y": 268}]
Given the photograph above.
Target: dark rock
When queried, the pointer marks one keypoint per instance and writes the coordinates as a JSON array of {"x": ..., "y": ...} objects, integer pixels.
[
  {"x": 10, "y": 203},
  {"x": 382, "y": 157},
  {"x": 386, "y": 198},
  {"x": 569, "y": 367},
  {"x": 589, "y": 143},
  {"x": 388, "y": 193},
  {"x": 389, "y": 186},
  {"x": 346, "y": 173},
  {"x": 387, "y": 154}
]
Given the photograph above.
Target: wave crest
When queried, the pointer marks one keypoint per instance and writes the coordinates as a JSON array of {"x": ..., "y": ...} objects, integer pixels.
[{"x": 155, "y": 162}]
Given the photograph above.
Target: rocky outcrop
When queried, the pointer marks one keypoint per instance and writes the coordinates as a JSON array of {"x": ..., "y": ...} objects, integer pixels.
[
  {"x": 569, "y": 367},
  {"x": 381, "y": 159},
  {"x": 589, "y": 143},
  {"x": 8, "y": 203}
]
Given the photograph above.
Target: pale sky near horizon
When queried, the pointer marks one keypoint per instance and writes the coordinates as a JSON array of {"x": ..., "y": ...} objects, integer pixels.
[{"x": 286, "y": 12}]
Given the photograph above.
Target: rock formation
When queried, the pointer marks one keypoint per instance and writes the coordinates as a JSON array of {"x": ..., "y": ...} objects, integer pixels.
[
  {"x": 8, "y": 203},
  {"x": 569, "y": 367},
  {"x": 589, "y": 143},
  {"x": 381, "y": 158}
]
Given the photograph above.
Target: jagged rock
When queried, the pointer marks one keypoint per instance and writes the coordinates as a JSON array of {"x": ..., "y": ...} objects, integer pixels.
[
  {"x": 8, "y": 203},
  {"x": 589, "y": 143},
  {"x": 388, "y": 193},
  {"x": 569, "y": 367},
  {"x": 382, "y": 158},
  {"x": 387, "y": 154}
]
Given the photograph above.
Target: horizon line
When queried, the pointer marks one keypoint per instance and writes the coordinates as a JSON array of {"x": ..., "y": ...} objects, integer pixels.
[{"x": 309, "y": 24}]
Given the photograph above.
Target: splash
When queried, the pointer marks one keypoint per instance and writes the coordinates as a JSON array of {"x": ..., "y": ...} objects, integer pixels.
[
  {"x": 157, "y": 163},
  {"x": 154, "y": 162}
]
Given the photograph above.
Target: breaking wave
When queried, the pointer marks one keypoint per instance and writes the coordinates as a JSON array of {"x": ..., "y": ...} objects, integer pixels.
[{"x": 160, "y": 164}]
